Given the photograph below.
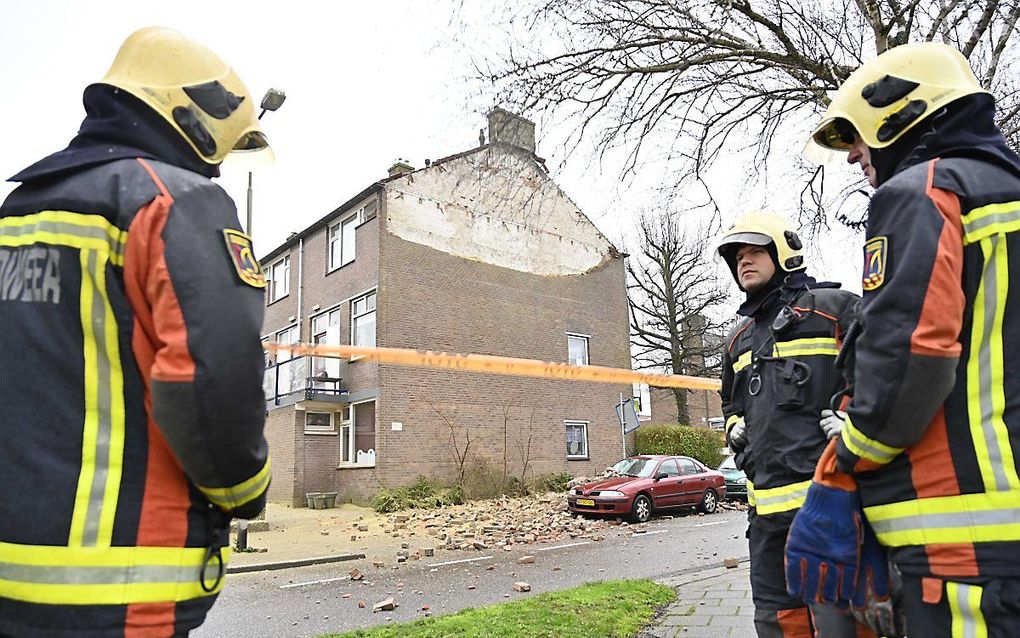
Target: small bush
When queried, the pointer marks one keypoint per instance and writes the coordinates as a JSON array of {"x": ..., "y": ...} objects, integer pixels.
[
  {"x": 422, "y": 494},
  {"x": 553, "y": 482},
  {"x": 700, "y": 443}
]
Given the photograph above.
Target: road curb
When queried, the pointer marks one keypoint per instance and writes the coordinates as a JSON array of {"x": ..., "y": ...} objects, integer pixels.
[
  {"x": 702, "y": 572},
  {"x": 287, "y": 564}
]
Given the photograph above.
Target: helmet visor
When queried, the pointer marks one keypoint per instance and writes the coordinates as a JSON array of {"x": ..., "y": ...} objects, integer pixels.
[{"x": 251, "y": 141}]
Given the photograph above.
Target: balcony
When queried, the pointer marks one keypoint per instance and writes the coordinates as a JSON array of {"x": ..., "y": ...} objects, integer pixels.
[{"x": 305, "y": 378}]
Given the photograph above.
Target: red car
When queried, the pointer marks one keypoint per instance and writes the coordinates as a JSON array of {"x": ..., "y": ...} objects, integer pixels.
[{"x": 646, "y": 484}]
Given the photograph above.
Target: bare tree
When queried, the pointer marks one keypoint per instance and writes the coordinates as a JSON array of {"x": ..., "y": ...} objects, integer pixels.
[
  {"x": 460, "y": 454},
  {"x": 684, "y": 81},
  {"x": 674, "y": 299}
]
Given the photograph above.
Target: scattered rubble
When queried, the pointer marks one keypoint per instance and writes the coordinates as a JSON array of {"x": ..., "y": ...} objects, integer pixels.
[
  {"x": 384, "y": 605},
  {"x": 522, "y": 586},
  {"x": 356, "y": 575},
  {"x": 731, "y": 563}
]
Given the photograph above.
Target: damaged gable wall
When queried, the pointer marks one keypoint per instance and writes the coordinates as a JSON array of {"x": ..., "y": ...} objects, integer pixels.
[{"x": 498, "y": 206}]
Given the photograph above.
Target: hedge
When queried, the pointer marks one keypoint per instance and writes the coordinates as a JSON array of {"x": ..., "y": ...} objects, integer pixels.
[{"x": 700, "y": 443}]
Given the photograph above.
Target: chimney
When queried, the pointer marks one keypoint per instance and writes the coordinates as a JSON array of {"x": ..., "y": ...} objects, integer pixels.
[
  {"x": 508, "y": 128},
  {"x": 400, "y": 167}
]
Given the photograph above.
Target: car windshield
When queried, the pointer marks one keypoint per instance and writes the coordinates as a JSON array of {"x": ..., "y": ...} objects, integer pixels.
[
  {"x": 728, "y": 464},
  {"x": 639, "y": 468}
]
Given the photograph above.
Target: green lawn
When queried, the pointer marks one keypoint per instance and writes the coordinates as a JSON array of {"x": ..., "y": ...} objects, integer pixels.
[{"x": 616, "y": 609}]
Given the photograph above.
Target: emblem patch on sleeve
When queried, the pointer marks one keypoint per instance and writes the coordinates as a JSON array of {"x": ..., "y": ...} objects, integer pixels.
[
  {"x": 875, "y": 251},
  {"x": 243, "y": 255}
]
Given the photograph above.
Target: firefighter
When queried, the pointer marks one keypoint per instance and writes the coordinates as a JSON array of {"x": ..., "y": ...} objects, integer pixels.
[
  {"x": 930, "y": 446},
  {"x": 131, "y": 375},
  {"x": 778, "y": 376}
]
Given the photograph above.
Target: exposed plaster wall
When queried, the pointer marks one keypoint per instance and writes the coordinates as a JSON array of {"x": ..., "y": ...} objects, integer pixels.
[{"x": 496, "y": 206}]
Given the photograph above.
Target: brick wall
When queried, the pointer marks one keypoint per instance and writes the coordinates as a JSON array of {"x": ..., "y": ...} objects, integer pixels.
[
  {"x": 431, "y": 299},
  {"x": 283, "y": 436}
]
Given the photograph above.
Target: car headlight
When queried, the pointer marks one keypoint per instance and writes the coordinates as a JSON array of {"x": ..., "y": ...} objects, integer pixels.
[{"x": 612, "y": 493}]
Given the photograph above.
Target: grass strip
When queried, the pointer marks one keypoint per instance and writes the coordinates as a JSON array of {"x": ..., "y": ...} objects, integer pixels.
[{"x": 613, "y": 609}]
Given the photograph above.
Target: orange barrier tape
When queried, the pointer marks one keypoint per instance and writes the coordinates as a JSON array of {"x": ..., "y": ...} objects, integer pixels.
[{"x": 500, "y": 365}]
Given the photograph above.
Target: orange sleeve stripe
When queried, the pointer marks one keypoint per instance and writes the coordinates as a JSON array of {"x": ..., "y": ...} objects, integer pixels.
[
  {"x": 173, "y": 360},
  {"x": 938, "y": 328}
]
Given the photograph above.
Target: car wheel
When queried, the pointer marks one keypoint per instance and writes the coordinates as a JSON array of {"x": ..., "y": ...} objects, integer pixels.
[
  {"x": 709, "y": 501},
  {"x": 641, "y": 512}
]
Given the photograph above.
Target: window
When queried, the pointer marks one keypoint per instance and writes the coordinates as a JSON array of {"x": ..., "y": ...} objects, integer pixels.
[
  {"x": 690, "y": 467},
  {"x": 357, "y": 434},
  {"x": 325, "y": 329},
  {"x": 669, "y": 467},
  {"x": 285, "y": 337},
  {"x": 577, "y": 439},
  {"x": 643, "y": 401},
  {"x": 270, "y": 357},
  {"x": 319, "y": 423},
  {"x": 279, "y": 279},
  {"x": 341, "y": 236},
  {"x": 363, "y": 320},
  {"x": 577, "y": 350}
]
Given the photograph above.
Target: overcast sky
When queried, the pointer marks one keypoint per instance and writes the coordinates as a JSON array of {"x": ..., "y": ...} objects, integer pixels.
[{"x": 366, "y": 83}]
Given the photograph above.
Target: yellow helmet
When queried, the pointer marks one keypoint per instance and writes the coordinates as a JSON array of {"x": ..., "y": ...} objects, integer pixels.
[
  {"x": 192, "y": 88},
  {"x": 762, "y": 228},
  {"x": 888, "y": 96}
]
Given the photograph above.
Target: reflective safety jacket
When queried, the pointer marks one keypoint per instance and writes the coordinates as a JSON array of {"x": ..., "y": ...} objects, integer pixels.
[
  {"x": 934, "y": 425},
  {"x": 778, "y": 380},
  {"x": 131, "y": 393}
]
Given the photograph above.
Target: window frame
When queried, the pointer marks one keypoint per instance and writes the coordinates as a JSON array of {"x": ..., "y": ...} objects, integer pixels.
[
  {"x": 351, "y": 422},
  {"x": 364, "y": 213},
  {"x": 354, "y": 318},
  {"x": 272, "y": 287},
  {"x": 587, "y": 453},
  {"x": 587, "y": 348},
  {"x": 318, "y": 430}
]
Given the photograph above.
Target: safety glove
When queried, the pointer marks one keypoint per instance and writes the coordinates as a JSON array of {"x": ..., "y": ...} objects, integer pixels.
[
  {"x": 738, "y": 436},
  {"x": 884, "y": 614},
  {"x": 832, "y": 422},
  {"x": 824, "y": 544}
]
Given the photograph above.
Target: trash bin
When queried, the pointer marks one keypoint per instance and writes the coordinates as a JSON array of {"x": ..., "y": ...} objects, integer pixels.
[
  {"x": 320, "y": 501},
  {"x": 330, "y": 499},
  {"x": 310, "y": 497}
]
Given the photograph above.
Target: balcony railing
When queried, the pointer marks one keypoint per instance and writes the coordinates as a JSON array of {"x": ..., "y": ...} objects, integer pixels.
[{"x": 304, "y": 377}]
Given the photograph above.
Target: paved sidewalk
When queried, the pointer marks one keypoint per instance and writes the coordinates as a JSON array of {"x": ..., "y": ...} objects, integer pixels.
[{"x": 712, "y": 603}]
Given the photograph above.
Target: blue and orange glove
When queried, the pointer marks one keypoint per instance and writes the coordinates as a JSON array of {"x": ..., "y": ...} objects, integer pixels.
[{"x": 823, "y": 549}]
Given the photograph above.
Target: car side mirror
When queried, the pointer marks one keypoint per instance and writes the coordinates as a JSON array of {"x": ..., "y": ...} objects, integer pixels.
[{"x": 661, "y": 475}]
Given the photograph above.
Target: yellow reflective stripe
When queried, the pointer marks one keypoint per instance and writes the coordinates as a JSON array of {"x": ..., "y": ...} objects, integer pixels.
[
  {"x": 105, "y": 575},
  {"x": 62, "y": 228},
  {"x": 751, "y": 500},
  {"x": 117, "y": 417},
  {"x": 965, "y": 518},
  {"x": 230, "y": 498},
  {"x": 733, "y": 420},
  {"x": 965, "y": 610},
  {"x": 986, "y": 400},
  {"x": 90, "y": 431},
  {"x": 781, "y": 499},
  {"x": 990, "y": 220},
  {"x": 742, "y": 362},
  {"x": 865, "y": 447},
  {"x": 805, "y": 347},
  {"x": 99, "y": 477}
]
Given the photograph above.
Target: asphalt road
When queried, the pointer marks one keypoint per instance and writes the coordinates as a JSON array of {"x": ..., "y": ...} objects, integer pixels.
[{"x": 309, "y": 601}]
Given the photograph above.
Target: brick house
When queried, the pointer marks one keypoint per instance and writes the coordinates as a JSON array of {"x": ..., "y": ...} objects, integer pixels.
[{"x": 479, "y": 252}]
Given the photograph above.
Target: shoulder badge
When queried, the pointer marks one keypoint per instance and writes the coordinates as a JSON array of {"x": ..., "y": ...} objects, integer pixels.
[
  {"x": 875, "y": 251},
  {"x": 243, "y": 256}
]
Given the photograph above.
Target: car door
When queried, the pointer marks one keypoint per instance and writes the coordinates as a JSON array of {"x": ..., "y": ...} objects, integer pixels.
[
  {"x": 694, "y": 481},
  {"x": 668, "y": 490}
]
